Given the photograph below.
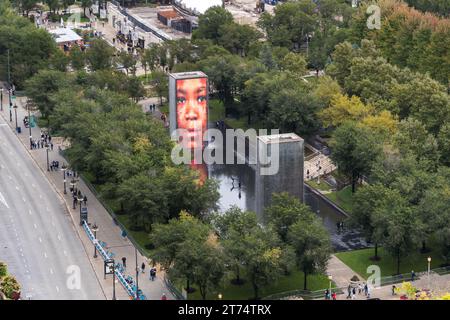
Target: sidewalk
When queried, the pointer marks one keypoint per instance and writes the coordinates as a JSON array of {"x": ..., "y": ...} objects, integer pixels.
[{"x": 108, "y": 232}]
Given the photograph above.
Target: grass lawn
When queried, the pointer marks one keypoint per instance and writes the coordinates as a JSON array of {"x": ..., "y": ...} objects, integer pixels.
[
  {"x": 164, "y": 108},
  {"x": 323, "y": 186},
  {"x": 359, "y": 260},
  {"x": 83, "y": 19},
  {"x": 342, "y": 198},
  {"x": 244, "y": 292}
]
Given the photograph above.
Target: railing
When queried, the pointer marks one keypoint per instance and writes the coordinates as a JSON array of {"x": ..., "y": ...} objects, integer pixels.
[
  {"x": 305, "y": 294},
  {"x": 109, "y": 255},
  {"x": 173, "y": 289}
]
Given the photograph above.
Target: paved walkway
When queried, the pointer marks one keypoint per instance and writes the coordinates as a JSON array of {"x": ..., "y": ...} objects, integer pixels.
[
  {"x": 341, "y": 275},
  {"x": 108, "y": 230}
]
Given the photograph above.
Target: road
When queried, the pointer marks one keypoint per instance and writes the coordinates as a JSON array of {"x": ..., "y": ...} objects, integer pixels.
[{"x": 38, "y": 240}]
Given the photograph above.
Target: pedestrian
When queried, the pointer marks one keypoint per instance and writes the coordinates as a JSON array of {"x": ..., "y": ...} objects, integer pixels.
[
  {"x": 349, "y": 291},
  {"x": 353, "y": 294},
  {"x": 333, "y": 295},
  {"x": 153, "y": 273},
  {"x": 360, "y": 288},
  {"x": 393, "y": 289},
  {"x": 327, "y": 293},
  {"x": 51, "y": 145},
  {"x": 338, "y": 226},
  {"x": 143, "y": 267},
  {"x": 366, "y": 289},
  {"x": 85, "y": 200},
  {"x": 163, "y": 297},
  {"x": 124, "y": 262},
  {"x": 114, "y": 40},
  {"x": 413, "y": 275}
]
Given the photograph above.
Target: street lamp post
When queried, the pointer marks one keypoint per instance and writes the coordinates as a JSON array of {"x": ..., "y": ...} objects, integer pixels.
[
  {"x": 15, "y": 113},
  {"x": 1, "y": 99},
  {"x": 95, "y": 229},
  {"x": 64, "y": 168},
  {"x": 29, "y": 124},
  {"x": 80, "y": 201},
  {"x": 10, "y": 105},
  {"x": 330, "y": 277},
  {"x": 48, "y": 163},
  {"x": 137, "y": 270},
  {"x": 114, "y": 281},
  {"x": 137, "y": 275},
  {"x": 73, "y": 183},
  {"x": 429, "y": 265}
]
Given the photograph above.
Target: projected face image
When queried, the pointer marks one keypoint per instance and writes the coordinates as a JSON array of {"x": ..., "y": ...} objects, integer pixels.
[{"x": 192, "y": 113}]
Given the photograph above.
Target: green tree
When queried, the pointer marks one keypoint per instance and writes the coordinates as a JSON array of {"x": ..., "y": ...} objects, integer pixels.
[
  {"x": 238, "y": 38},
  {"x": 290, "y": 24},
  {"x": 77, "y": 58},
  {"x": 40, "y": 87},
  {"x": 342, "y": 109},
  {"x": 200, "y": 261},
  {"x": 264, "y": 260},
  {"x": 365, "y": 201},
  {"x": 293, "y": 110},
  {"x": 99, "y": 55},
  {"x": 59, "y": 61},
  {"x": 312, "y": 245},
  {"x": 232, "y": 228},
  {"x": 210, "y": 23},
  {"x": 160, "y": 81},
  {"x": 414, "y": 139},
  {"x": 283, "y": 212},
  {"x": 444, "y": 143},
  {"x": 355, "y": 149},
  {"x": 127, "y": 61},
  {"x": 397, "y": 225}
]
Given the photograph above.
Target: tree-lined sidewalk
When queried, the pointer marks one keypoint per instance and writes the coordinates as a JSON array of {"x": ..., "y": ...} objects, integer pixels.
[{"x": 108, "y": 232}]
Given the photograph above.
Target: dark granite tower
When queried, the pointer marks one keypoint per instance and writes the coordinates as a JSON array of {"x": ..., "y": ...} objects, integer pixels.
[{"x": 288, "y": 177}]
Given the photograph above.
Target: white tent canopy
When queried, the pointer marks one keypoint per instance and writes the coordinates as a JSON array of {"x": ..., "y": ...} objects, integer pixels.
[{"x": 62, "y": 35}]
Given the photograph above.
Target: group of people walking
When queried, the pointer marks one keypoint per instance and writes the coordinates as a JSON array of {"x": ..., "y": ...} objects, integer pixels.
[{"x": 361, "y": 288}]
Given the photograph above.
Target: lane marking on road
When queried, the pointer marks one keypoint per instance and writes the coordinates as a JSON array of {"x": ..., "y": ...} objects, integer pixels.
[
  {"x": 2, "y": 200},
  {"x": 30, "y": 212},
  {"x": 35, "y": 226},
  {"x": 17, "y": 188},
  {"x": 65, "y": 253},
  {"x": 40, "y": 196},
  {"x": 59, "y": 237},
  {"x": 57, "y": 289},
  {"x": 40, "y": 240},
  {"x": 10, "y": 178},
  {"x": 45, "y": 254},
  {"x": 3, "y": 167},
  {"x": 51, "y": 271},
  {"x": 24, "y": 200}
]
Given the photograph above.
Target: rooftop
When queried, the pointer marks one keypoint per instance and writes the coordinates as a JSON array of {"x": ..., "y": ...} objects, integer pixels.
[
  {"x": 280, "y": 138},
  {"x": 62, "y": 35}
]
